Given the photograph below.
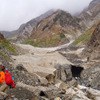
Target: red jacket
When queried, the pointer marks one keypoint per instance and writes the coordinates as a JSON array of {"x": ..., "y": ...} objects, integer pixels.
[{"x": 8, "y": 79}]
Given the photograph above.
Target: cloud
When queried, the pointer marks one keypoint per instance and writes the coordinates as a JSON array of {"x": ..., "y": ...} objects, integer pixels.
[{"x": 16, "y": 12}]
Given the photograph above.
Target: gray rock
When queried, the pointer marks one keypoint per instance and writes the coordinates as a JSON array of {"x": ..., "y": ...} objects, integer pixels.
[
  {"x": 78, "y": 99},
  {"x": 50, "y": 78},
  {"x": 63, "y": 72},
  {"x": 50, "y": 94},
  {"x": 20, "y": 67},
  {"x": 93, "y": 94},
  {"x": 90, "y": 77}
]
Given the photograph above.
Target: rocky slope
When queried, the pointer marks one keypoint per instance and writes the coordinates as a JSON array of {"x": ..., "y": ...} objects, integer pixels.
[
  {"x": 93, "y": 46},
  {"x": 25, "y": 30},
  {"x": 91, "y": 15},
  {"x": 62, "y": 73},
  {"x": 59, "y": 28},
  {"x": 1, "y": 37},
  {"x": 51, "y": 74}
]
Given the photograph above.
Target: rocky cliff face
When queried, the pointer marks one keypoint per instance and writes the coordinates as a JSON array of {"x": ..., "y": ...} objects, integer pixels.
[{"x": 57, "y": 29}]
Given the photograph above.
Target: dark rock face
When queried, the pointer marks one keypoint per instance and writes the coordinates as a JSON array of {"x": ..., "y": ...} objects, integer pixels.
[{"x": 91, "y": 77}]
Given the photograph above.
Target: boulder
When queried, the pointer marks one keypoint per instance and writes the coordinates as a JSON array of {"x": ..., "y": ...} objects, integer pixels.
[
  {"x": 63, "y": 86},
  {"x": 89, "y": 77},
  {"x": 50, "y": 78},
  {"x": 20, "y": 67},
  {"x": 43, "y": 81},
  {"x": 57, "y": 98},
  {"x": 53, "y": 93},
  {"x": 93, "y": 94},
  {"x": 63, "y": 72}
]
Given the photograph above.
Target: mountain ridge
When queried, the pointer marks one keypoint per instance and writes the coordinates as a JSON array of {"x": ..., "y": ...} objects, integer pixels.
[
  {"x": 26, "y": 28},
  {"x": 53, "y": 30}
]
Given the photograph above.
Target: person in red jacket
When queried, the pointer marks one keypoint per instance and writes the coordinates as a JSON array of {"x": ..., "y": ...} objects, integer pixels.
[
  {"x": 8, "y": 79},
  {"x": 3, "y": 85}
]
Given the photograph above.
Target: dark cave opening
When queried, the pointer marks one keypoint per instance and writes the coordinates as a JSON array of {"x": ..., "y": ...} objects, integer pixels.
[
  {"x": 42, "y": 93},
  {"x": 76, "y": 70}
]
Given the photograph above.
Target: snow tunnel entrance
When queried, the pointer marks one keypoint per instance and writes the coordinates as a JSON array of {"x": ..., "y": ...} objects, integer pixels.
[{"x": 76, "y": 71}]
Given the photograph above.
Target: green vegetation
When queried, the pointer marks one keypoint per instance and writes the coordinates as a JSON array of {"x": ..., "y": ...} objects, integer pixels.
[
  {"x": 84, "y": 38},
  {"x": 45, "y": 42},
  {"x": 62, "y": 35},
  {"x": 7, "y": 45}
]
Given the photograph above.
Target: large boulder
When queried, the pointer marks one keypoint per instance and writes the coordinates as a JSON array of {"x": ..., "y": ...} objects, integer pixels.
[
  {"x": 50, "y": 78},
  {"x": 90, "y": 77},
  {"x": 51, "y": 94},
  {"x": 20, "y": 67},
  {"x": 93, "y": 94},
  {"x": 63, "y": 72}
]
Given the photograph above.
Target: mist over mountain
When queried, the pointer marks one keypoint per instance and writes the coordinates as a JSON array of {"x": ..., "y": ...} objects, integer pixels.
[{"x": 16, "y": 12}]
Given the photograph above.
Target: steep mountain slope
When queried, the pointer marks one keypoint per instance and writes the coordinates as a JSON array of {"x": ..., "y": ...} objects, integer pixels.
[
  {"x": 59, "y": 28},
  {"x": 91, "y": 14},
  {"x": 84, "y": 38},
  {"x": 93, "y": 46},
  {"x": 5, "y": 45},
  {"x": 1, "y": 37},
  {"x": 25, "y": 30},
  {"x": 90, "y": 18}
]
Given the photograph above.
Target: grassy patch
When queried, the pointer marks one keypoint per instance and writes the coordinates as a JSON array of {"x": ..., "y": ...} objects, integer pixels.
[
  {"x": 62, "y": 35},
  {"x": 42, "y": 43},
  {"x": 7, "y": 45},
  {"x": 84, "y": 38},
  {"x": 45, "y": 42}
]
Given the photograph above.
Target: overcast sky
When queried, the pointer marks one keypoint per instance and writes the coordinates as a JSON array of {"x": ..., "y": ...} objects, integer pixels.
[{"x": 13, "y": 13}]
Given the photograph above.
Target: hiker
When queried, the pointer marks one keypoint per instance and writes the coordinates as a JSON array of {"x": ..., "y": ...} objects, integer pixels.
[
  {"x": 4, "y": 86},
  {"x": 2, "y": 75},
  {"x": 8, "y": 79}
]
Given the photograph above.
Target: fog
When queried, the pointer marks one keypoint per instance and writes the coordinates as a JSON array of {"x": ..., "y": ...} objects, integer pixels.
[{"x": 13, "y": 13}]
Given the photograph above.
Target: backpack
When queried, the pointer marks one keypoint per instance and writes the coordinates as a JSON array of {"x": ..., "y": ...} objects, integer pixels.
[
  {"x": 2, "y": 77},
  {"x": 8, "y": 79},
  {"x": 13, "y": 86}
]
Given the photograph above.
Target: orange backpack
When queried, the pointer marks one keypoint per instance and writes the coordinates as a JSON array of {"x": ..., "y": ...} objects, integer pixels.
[{"x": 2, "y": 77}]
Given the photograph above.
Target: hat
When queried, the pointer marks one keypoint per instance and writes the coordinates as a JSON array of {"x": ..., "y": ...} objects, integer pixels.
[{"x": 2, "y": 68}]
